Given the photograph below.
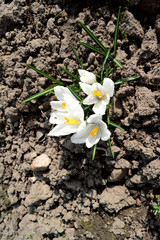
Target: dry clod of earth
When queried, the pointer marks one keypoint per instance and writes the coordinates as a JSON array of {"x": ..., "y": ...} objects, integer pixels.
[
  {"x": 41, "y": 162},
  {"x": 50, "y": 188}
]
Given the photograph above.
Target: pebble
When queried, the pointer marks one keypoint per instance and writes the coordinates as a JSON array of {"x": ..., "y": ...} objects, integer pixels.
[{"x": 41, "y": 162}]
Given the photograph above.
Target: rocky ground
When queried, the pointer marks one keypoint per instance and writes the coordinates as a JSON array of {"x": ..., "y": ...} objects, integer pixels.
[{"x": 72, "y": 197}]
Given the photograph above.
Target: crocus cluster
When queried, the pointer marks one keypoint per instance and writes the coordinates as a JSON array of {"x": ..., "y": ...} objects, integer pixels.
[{"x": 69, "y": 115}]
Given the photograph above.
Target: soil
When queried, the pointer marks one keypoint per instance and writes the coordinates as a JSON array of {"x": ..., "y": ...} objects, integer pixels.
[{"x": 74, "y": 197}]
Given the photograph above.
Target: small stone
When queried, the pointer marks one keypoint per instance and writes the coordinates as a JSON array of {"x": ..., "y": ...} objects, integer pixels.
[
  {"x": 41, "y": 162},
  {"x": 117, "y": 227},
  {"x": 138, "y": 202},
  {"x": 117, "y": 174},
  {"x": 39, "y": 134},
  {"x": 95, "y": 205},
  {"x": 25, "y": 147},
  {"x": 91, "y": 58}
]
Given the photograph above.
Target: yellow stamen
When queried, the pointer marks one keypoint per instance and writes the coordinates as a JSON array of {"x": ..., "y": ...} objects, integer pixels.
[
  {"x": 71, "y": 121},
  {"x": 98, "y": 94},
  {"x": 94, "y": 131},
  {"x": 63, "y": 105}
]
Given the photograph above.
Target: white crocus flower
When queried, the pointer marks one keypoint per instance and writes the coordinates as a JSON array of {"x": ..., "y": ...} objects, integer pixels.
[
  {"x": 98, "y": 95},
  {"x": 87, "y": 77},
  {"x": 68, "y": 121},
  {"x": 60, "y": 93},
  {"x": 91, "y": 131}
]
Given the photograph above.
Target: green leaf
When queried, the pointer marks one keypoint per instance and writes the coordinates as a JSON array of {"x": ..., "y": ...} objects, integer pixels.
[
  {"x": 75, "y": 89},
  {"x": 92, "y": 48},
  {"x": 74, "y": 93},
  {"x": 107, "y": 112},
  {"x": 116, "y": 61},
  {"x": 71, "y": 75},
  {"x": 110, "y": 70},
  {"x": 127, "y": 79},
  {"x": 47, "y": 90},
  {"x": 78, "y": 59},
  {"x": 58, "y": 15},
  {"x": 116, "y": 125},
  {"x": 116, "y": 32},
  {"x": 45, "y": 75},
  {"x": 94, "y": 151},
  {"x": 104, "y": 65},
  {"x": 101, "y": 53},
  {"x": 89, "y": 107},
  {"x": 94, "y": 38},
  {"x": 109, "y": 142}
]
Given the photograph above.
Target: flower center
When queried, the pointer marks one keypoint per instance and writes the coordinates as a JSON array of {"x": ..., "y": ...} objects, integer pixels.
[
  {"x": 98, "y": 94},
  {"x": 94, "y": 131},
  {"x": 63, "y": 105},
  {"x": 71, "y": 121}
]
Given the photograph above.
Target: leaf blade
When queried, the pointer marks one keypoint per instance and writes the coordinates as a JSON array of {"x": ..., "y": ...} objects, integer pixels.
[
  {"x": 45, "y": 75},
  {"x": 69, "y": 73},
  {"x": 116, "y": 32},
  {"x": 109, "y": 142},
  {"x": 101, "y": 52},
  {"x": 94, "y": 38},
  {"x": 74, "y": 93},
  {"x": 47, "y": 90},
  {"x": 78, "y": 59},
  {"x": 94, "y": 151},
  {"x": 116, "y": 125},
  {"x": 104, "y": 65},
  {"x": 127, "y": 79}
]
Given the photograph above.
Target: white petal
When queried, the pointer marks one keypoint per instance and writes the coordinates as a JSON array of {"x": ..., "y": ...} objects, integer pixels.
[
  {"x": 57, "y": 117},
  {"x": 60, "y": 91},
  {"x": 75, "y": 110},
  {"x": 94, "y": 118},
  {"x": 105, "y": 133},
  {"x": 86, "y": 88},
  {"x": 87, "y": 77},
  {"x": 81, "y": 72},
  {"x": 57, "y": 131},
  {"x": 69, "y": 98},
  {"x": 57, "y": 105},
  {"x": 90, "y": 100},
  {"x": 90, "y": 141},
  {"x": 106, "y": 98},
  {"x": 77, "y": 139},
  {"x": 108, "y": 84},
  {"x": 62, "y": 130},
  {"x": 100, "y": 107},
  {"x": 81, "y": 134}
]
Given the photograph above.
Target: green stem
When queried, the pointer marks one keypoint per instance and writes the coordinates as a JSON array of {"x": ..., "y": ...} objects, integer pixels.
[{"x": 109, "y": 142}]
